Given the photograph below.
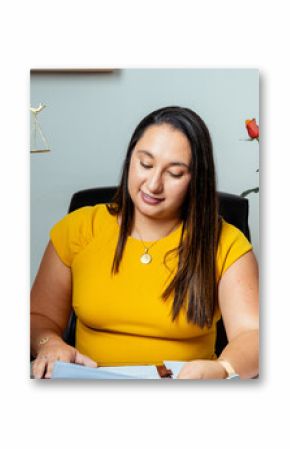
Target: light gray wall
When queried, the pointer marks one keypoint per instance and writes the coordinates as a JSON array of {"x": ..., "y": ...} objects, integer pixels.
[{"x": 89, "y": 120}]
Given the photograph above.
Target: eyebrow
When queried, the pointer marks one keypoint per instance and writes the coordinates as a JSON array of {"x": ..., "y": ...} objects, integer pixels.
[{"x": 182, "y": 164}]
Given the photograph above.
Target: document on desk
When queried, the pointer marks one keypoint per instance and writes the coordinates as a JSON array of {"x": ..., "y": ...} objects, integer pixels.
[{"x": 64, "y": 370}]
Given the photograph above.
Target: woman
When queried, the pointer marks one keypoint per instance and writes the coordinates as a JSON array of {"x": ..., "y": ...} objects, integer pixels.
[{"x": 150, "y": 274}]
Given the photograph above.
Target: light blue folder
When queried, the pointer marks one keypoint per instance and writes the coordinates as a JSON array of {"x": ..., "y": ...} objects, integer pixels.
[{"x": 64, "y": 370}]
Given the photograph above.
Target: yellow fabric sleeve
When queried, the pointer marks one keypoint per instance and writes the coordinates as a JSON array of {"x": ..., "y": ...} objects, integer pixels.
[
  {"x": 72, "y": 233},
  {"x": 233, "y": 244}
]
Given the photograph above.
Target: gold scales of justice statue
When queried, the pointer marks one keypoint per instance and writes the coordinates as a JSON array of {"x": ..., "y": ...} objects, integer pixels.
[{"x": 38, "y": 143}]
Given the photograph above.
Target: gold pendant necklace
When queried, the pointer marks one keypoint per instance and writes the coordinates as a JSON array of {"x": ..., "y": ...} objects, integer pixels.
[{"x": 146, "y": 258}]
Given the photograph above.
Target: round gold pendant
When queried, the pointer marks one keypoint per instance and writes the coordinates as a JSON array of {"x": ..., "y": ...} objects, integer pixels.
[{"x": 145, "y": 258}]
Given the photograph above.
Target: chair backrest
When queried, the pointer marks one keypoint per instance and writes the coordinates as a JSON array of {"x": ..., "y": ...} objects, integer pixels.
[{"x": 233, "y": 208}]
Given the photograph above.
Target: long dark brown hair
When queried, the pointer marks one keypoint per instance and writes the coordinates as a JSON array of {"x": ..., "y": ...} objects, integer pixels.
[{"x": 194, "y": 284}]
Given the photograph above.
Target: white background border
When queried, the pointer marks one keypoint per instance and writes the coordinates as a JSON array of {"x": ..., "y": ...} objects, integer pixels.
[{"x": 149, "y": 34}]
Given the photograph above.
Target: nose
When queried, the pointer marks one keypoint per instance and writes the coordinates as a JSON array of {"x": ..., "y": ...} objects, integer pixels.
[{"x": 155, "y": 182}]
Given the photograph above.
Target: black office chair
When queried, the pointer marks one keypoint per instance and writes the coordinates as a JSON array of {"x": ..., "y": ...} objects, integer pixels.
[{"x": 233, "y": 208}]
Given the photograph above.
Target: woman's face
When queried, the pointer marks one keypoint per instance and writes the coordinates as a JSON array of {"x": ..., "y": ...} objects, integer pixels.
[{"x": 159, "y": 173}]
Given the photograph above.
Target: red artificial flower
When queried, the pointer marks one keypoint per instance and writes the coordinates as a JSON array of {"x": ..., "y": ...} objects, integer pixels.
[{"x": 252, "y": 128}]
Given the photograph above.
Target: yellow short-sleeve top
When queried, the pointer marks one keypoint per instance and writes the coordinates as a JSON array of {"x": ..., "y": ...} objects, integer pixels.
[{"x": 122, "y": 319}]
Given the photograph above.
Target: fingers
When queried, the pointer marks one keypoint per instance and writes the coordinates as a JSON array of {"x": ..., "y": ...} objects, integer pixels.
[
  {"x": 43, "y": 365},
  {"x": 49, "y": 369},
  {"x": 201, "y": 370},
  {"x": 188, "y": 373},
  {"x": 39, "y": 367},
  {"x": 82, "y": 359}
]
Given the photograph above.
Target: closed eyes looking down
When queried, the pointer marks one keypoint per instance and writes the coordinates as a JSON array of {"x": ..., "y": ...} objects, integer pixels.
[{"x": 174, "y": 175}]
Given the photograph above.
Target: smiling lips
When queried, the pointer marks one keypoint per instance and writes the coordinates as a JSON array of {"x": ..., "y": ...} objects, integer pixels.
[{"x": 149, "y": 199}]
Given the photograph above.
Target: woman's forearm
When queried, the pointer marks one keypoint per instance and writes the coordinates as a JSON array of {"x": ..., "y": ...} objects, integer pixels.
[{"x": 242, "y": 352}]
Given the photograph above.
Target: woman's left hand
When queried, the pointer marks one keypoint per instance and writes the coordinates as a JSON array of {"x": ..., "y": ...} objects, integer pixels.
[{"x": 202, "y": 369}]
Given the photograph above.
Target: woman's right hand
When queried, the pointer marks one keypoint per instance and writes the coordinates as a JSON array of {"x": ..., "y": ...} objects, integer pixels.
[{"x": 53, "y": 350}]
